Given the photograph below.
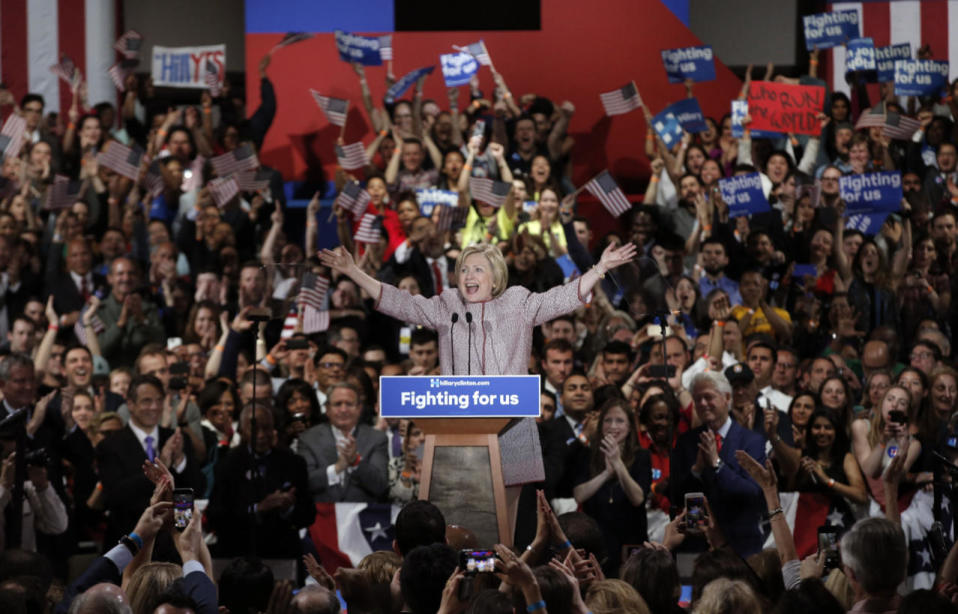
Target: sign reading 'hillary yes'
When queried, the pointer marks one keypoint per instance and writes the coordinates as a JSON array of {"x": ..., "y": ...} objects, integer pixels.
[{"x": 186, "y": 66}]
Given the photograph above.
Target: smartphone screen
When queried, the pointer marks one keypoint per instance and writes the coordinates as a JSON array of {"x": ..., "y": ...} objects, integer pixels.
[
  {"x": 182, "y": 507},
  {"x": 477, "y": 561},
  {"x": 828, "y": 544},
  {"x": 696, "y": 515}
]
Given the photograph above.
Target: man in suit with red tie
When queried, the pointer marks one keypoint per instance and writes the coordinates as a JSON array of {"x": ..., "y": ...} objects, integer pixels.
[
  {"x": 120, "y": 457},
  {"x": 704, "y": 461},
  {"x": 74, "y": 287}
]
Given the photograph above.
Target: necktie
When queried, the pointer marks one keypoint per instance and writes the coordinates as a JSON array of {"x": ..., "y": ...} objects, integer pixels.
[
  {"x": 580, "y": 435},
  {"x": 84, "y": 289},
  {"x": 150, "y": 452},
  {"x": 438, "y": 277},
  {"x": 718, "y": 442}
]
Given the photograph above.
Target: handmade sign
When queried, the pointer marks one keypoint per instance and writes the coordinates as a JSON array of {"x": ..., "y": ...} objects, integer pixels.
[
  {"x": 781, "y": 107},
  {"x": 186, "y": 66}
]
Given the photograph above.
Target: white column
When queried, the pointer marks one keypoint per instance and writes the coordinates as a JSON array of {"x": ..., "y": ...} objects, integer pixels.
[
  {"x": 43, "y": 51},
  {"x": 100, "y": 34}
]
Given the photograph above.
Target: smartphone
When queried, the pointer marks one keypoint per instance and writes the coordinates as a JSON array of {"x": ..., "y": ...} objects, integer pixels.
[
  {"x": 297, "y": 343},
  {"x": 478, "y": 561},
  {"x": 654, "y": 330},
  {"x": 661, "y": 371},
  {"x": 828, "y": 544},
  {"x": 479, "y": 128},
  {"x": 696, "y": 514},
  {"x": 182, "y": 507},
  {"x": 178, "y": 375},
  {"x": 898, "y": 416}
]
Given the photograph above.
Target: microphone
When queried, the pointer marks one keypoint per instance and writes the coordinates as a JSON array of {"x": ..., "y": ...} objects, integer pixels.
[
  {"x": 469, "y": 322},
  {"x": 452, "y": 341}
]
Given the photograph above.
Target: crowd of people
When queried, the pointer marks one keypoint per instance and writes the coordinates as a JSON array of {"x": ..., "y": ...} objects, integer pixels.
[{"x": 701, "y": 394}]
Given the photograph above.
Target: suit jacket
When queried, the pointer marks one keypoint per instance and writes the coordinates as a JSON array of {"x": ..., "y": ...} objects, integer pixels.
[
  {"x": 121, "y": 346},
  {"x": 736, "y": 500},
  {"x": 366, "y": 482},
  {"x": 277, "y": 531},
  {"x": 66, "y": 295},
  {"x": 126, "y": 490},
  {"x": 562, "y": 452},
  {"x": 100, "y": 570}
]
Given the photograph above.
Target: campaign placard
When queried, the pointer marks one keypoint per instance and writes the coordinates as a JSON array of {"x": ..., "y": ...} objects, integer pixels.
[
  {"x": 871, "y": 192},
  {"x": 428, "y": 198},
  {"x": 458, "y": 68},
  {"x": 405, "y": 82},
  {"x": 739, "y": 111},
  {"x": 358, "y": 48},
  {"x": 782, "y": 107},
  {"x": 867, "y": 223},
  {"x": 695, "y": 63},
  {"x": 885, "y": 60},
  {"x": 743, "y": 194},
  {"x": 920, "y": 77},
  {"x": 186, "y": 66},
  {"x": 667, "y": 127},
  {"x": 826, "y": 30},
  {"x": 860, "y": 56},
  {"x": 459, "y": 396},
  {"x": 689, "y": 114}
]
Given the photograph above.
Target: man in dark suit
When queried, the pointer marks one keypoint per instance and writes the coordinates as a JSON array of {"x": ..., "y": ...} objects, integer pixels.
[
  {"x": 346, "y": 461},
  {"x": 565, "y": 437},
  {"x": 704, "y": 461},
  {"x": 420, "y": 256},
  {"x": 120, "y": 458},
  {"x": 73, "y": 287},
  {"x": 275, "y": 498}
]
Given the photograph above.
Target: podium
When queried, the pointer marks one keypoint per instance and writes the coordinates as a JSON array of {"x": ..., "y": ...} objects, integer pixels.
[{"x": 473, "y": 467}]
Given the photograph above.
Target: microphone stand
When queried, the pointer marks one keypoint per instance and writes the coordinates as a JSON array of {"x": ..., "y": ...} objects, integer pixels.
[
  {"x": 469, "y": 355},
  {"x": 452, "y": 341}
]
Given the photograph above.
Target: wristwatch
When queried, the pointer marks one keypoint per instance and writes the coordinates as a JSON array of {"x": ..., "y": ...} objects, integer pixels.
[{"x": 718, "y": 465}]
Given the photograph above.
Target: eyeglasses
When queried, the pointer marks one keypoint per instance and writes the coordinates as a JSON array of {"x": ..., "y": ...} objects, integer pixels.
[{"x": 331, "y": 365}]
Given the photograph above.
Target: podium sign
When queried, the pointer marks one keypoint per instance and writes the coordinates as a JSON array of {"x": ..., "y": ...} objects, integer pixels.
[{"x": 459, "y": 396}]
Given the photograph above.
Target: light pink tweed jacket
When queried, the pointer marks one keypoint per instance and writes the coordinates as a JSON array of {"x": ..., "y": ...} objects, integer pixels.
[{"x": 501, "y": 327}]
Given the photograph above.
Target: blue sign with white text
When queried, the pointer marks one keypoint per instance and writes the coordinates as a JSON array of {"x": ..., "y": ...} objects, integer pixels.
[
  {"x": 743, "y": 194},
  {"x": 356, "y": 48},
  {"x": 689, "y": 113},
  {"x": 667, "y": 127},
  {"x": 428, "y": 198},
  {"x": 459, "y": 396},
  {"x": 695, "y": 63},
  {"x": 871, "y": 192},
  {"x": 920, "y": 77},
  {"x": 405, "y": 82},
  {"x": 867, "y": 223},
  {"x": 458, "y": 68},
  {"x": 860, "y": 55},
  {"x": 830, "y": 29},
  {"x": 885, "y": 60}
]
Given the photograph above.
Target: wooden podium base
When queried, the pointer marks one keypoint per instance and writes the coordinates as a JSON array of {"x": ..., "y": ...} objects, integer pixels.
[{"x": 462, "y": 476}]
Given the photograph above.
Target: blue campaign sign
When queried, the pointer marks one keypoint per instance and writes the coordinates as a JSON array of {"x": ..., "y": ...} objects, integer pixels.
[
  {"x": 667, "y": 127},
  {"x": 695, "y": 63},
  {"x": 860, "y": 55},
  {"x": 885, "y": 60},
  {"x": 743, "y": 194},
  {"x": 739, "y": 111},
  {"x": 867, "y": 223},
  {"x": 405, "y": 82},
  {"x": 428, "y": 198},
  {"x": 356, "y": 48},
  {"x": 871, "y": 192},
  {"x": 830, "y": 29},
  {"x": 458, "y": 68},
  {"x": 689, "y": 114},
  {"x": 569, "y": 269},
  {"x": 920, "y": 77},
  {"x": 459, "y": 396}
]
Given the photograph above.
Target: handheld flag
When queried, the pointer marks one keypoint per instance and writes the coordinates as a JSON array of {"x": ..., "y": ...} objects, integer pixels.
[
  {"x": 335, "y": 109},
  {"x": 604, "y": 187},
  {"x": 621, "y": 101}
]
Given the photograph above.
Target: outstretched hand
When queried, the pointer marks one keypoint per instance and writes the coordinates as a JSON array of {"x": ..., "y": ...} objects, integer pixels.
[
  {"x": 339, "y": 259},
  {"x": 614, "y": 257}
]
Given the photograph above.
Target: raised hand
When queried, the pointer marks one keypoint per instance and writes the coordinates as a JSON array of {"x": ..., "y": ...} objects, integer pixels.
[
  {"x": 614, "y": 257},
  {"x": 339, "y": 260}
]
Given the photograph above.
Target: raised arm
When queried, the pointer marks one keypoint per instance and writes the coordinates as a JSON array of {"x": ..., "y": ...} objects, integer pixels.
[
  {"x": 611, "y": 258},
  {"x": 556, "y": 136},
  {"x": 367, "y": 96},
  {"x": 341, "y": 261},
  {"x": 392, "y": 168}
]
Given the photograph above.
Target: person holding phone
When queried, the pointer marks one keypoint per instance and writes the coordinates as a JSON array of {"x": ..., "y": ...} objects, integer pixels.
[
  {"x": 404, "y": 471},
  {"x": 611, "y": 487}
]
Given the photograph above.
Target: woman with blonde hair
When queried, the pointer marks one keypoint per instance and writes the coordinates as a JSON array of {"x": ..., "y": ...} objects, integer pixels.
[
  {"x": 492, "y": 321},
  {"x": 723, "y": 596},
  {"x": 614, "y": 597},
  {"x": 147, "y": 582}
]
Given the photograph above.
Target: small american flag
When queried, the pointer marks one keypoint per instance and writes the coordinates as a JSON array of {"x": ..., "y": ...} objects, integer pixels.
[
  {"x": 120, "y": 71},
  {"x": 315, "y": 320},
  {"x": 604, "y": 187},
  {"x": 444, "y": 217},
  {"x": 193, "y": 176},
  {"x": 898, "y": 126},
  {"x": 122, "y": 159},
  {"x": 352, "y": 156},
  {"x": 369, "y": 229},
  {"x": 11, "y": 137},
  {"x": 253, "y": 181},
  {"x": 212, "y": 77},
  {"x": 153, "y": 181},
  {"x": 129, "y": 44},
  {"x": 334, "y": 108},
  {"x": 353, "y": 198},
  {"x": 63, "y": 193},
  {"x": 243, "y": 158},
  {"x": 873, "y": 118},
  {"x": 489, "y": 190},
  {"x": 289, "y": 323},
  {"x": 291, "y": 38},
  {"x": 622, "y": 100},
  {"x": 478, "y": 51},
  {"x": 80, "y": 330},
  {"x": 386, "y": 47},
  {"x": 223, "y": 190},
  {"x": 312, "y": 290},
  {"x": 67, "y": 70}
]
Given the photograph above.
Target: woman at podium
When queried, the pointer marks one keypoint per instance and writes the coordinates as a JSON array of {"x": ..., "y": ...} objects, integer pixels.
[{"x": 485, "y": 327}]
